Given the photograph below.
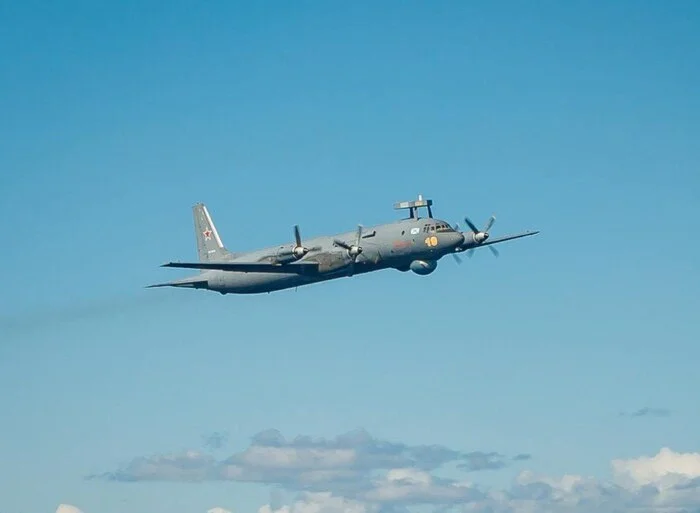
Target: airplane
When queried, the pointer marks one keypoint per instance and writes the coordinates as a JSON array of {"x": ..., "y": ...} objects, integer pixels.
[{"x": 413, "y": 243}]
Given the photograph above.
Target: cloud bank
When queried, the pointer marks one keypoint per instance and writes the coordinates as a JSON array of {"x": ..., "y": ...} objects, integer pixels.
[
  {"x": 354, "y": 465},
  {"x": 358, "y": 473},
  {"x": 668, "y": 482}
]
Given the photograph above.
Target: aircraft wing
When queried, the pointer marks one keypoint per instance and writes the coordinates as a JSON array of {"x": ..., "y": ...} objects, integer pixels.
[
  {"x": 496, "y": 240},
  {"x": 249, "y": 267}
]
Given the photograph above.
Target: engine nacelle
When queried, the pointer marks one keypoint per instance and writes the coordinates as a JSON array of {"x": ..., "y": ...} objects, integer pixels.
[
  {"x": 285, "y": 255},
  {"x": 423, "y": 267}
]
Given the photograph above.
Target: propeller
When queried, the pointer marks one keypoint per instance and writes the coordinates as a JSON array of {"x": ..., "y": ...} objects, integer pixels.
[
  {"x": 454, "y": 255},
  {"x": 299, "y": 250},
  {"x": 353, "y": 250},
  {"x": 481, "y": 235},
  {"x": 470, "y": 252}
]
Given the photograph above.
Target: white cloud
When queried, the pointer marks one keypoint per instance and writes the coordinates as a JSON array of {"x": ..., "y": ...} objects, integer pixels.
[
  {"x": 297, "y": 457},
  {"x": 409, "y": 485},
  {"x": 350, "y": 460},
  {"x": 668, "y": 482},
  {"x": 665, "y": 470},
  {"x": 218, "y": 510},
  {"x": 408, "y": 475},
  {"x": 67, "y": 508},
  {"x": 322, "y": 503},
  {"x": 357, "y": 473}
]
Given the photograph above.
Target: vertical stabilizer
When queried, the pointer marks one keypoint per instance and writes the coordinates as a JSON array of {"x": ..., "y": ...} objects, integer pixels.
[{"x": 209, "y": 245}]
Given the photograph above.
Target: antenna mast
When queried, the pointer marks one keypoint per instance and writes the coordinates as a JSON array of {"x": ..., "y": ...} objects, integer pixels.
[{"x": 413, "y": 206}]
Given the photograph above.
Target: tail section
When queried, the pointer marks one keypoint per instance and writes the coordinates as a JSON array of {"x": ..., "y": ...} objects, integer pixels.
[{"x": 209, "y": 245}]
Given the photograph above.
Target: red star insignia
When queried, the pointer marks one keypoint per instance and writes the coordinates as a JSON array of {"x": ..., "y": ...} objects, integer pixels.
[{"x": 207, "y": 234}]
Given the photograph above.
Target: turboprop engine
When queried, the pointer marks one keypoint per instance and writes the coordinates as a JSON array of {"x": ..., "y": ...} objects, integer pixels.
[
  {"x": 288, "y": 254},
  {"x": 423, "y": 267}
]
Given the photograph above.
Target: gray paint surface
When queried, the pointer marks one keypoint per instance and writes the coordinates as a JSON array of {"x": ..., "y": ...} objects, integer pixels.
[{"x": 412, "y": 244}]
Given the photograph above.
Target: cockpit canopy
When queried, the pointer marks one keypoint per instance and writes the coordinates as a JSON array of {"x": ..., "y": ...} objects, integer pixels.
[{"x": 437, "y": 226}]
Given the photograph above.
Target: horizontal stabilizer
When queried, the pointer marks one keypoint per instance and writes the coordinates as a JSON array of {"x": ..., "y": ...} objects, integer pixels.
[
  {"x": 249, "y": 267},
  {"x": 496, "y": 240}
]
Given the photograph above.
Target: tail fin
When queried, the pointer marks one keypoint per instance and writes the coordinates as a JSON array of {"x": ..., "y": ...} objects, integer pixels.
[{"x": 209, "y": 245}]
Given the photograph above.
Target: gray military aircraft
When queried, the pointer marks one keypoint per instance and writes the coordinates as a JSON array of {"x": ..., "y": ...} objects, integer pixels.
[{"x": 411, "y": 244}]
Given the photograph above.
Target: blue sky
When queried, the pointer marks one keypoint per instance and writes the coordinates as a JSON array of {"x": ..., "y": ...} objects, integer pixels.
[{"x": 581, "y": 120}]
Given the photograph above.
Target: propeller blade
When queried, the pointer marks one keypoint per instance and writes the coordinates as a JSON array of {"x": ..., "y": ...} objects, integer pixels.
[
  {"x": 471, "y": 225},
  {"x": 457, "y": 259},
  {"x": 494, "y": 251},
  {"x": 342, "y": 244},
  {"x": 470, "y": 253},
  {"x": 359, "y": 235},
  {"x": 297, "y": 235},
  {"x": 489, "y": 224}
]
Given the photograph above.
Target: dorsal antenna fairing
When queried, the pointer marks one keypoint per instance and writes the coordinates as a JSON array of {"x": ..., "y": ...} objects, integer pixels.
[{"x": 413, "y": 206}]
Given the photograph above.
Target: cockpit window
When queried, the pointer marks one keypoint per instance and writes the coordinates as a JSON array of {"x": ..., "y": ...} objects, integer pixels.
[{"x": 438, "y": 227}]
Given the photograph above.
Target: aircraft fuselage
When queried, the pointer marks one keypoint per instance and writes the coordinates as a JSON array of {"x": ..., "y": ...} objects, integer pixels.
[
  {"x": 410, "y": 244},
  {"x": 414, "y": 244}
]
